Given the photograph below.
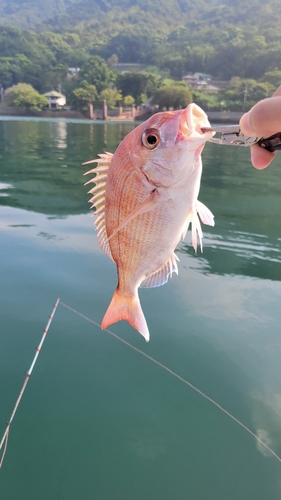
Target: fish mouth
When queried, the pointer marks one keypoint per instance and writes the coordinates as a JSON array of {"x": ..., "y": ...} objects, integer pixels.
[{"x": 193, "y": 119}]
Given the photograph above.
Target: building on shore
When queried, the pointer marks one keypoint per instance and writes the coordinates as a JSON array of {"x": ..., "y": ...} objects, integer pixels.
[
  {"x": 203, "y": 81},
  {"x": 56, "y": 99}
]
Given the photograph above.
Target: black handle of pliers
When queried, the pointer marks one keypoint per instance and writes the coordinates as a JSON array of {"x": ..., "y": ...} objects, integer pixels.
[{"x": 272, "y": 143}]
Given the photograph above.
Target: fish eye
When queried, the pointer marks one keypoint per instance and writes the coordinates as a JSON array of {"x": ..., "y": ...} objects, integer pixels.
[{"x": 150, "y": 138}]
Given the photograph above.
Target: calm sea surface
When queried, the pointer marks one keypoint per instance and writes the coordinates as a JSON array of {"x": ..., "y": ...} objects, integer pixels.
[{"x": 99, "y": 421}]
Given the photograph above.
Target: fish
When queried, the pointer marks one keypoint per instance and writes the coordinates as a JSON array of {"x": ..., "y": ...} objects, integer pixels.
[{"x": 145, "y": 198}]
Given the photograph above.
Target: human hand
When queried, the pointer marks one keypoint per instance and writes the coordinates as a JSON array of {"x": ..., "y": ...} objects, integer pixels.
[{"x": 263, "y": 120}]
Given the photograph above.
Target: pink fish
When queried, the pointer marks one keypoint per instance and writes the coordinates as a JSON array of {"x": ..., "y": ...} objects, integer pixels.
[{"x": 145, "y": 197}]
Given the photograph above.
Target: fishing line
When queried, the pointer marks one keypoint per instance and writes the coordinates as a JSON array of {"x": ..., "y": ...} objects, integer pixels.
[
  {"x": 179, "y": 378},
  {"x": 4, "y": 441},
  {"x": 5, "y": 437}
]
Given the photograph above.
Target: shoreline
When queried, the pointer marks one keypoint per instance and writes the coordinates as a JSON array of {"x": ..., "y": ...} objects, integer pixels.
[{"x": 214, "y": 116}]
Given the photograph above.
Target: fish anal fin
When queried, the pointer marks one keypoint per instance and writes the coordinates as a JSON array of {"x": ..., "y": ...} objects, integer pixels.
[
  {"x": 161, "y": 276},
  {"x": 128, "y": 308}
]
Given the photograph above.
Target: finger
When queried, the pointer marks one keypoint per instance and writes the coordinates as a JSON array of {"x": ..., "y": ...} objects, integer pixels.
[
  {"x": 260, "y": 157},
  {"x": 277, "y": 92},
  {"x": 264, "y": 119}
]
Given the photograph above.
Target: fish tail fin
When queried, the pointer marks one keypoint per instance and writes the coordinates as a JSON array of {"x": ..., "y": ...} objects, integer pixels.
[{"x": 129, "y": 309}]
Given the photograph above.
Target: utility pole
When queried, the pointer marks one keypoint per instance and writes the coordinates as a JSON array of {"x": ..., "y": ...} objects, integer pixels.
[{"x": 245, "y": 97}]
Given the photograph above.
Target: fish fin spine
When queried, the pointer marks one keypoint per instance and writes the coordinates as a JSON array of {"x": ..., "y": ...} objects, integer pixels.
[
  {"x": 103, "y": 158},
  {"x": 126, "y": 308},
  {"x": 98, "y": 198}
]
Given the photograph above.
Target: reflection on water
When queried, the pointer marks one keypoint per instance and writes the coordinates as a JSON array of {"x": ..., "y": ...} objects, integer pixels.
[
  {"x": 237, "y": 252},
  {"x": 98, "y": 419},
  {"x": 43, "y": 150},
  {"x": 61, "y": 134}
]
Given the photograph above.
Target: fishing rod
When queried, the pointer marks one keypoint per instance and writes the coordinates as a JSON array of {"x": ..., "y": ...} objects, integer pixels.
[{"x": 4, "y": 441}]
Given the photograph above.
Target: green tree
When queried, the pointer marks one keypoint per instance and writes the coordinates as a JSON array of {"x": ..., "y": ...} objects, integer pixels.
[
  {"x": 112, "y": 61},
  {"x": 95, "y": 72},
  {"x": 136, "y": 84},
  {"x": 128, "y": 100},
  {"x": 6, "y": 72},
  {"x": 14, "y": 69},
  {"x": 172, "y": 96},
  {"x": 244, "y": 93},
  {"x": 58, "y": 45},
  {"x": 24, "y": 96},
  {"x": 273, "y": 77},
  {"x": 207, "y": 101},
  {"x": 134, "y": 45},
  {"x": 55, "y": 75},
  {"x": 175, "y": 63},
  {"x": 112, "y": 97},
  {"x": 82, "y": 96}
]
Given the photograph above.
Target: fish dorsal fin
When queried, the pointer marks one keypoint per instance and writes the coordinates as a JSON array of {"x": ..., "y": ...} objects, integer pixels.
[
  {"x": 98, "y": 197},
  {"x": 206, "y": 217},
  {"x": 161, "y": 276}
]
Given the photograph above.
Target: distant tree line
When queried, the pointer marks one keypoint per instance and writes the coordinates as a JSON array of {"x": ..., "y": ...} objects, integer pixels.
[{"x": 236, "y": 41}]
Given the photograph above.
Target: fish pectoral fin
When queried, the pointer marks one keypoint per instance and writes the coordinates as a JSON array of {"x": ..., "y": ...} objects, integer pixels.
[
  {"x": 206, "y": 217},
  {"x": 205, "y": 214},
  {"x": 161, "y": 276},
  {"x": 145, "y": 206},
  {"x": 195, "y": 228}
]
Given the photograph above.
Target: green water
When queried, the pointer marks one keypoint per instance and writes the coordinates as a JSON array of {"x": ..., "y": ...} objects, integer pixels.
[{"x": 98, "y": 421}]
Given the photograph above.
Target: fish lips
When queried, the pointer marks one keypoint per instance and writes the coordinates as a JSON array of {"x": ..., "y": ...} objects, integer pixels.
[{"x": 192, "y": 120}]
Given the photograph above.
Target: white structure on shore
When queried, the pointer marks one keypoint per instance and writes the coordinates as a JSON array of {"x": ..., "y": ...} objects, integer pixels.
[{"x": 56, "y": 99}]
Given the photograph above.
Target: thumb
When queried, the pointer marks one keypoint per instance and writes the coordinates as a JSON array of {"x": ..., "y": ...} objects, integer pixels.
[{"x": 264, "y": 119}]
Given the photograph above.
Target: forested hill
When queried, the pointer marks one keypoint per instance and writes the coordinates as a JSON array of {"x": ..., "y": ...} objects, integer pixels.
[
  {"x": 66, "y": 14},
  {"x": 225, "y": 38}
]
